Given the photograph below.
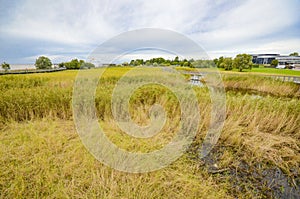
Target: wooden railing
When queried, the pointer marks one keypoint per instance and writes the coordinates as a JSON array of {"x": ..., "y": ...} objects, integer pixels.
[
  {"x": 295, "y": 79},
  {"x": 31, "y": 71},
  {"x": 196, "y": 76}
]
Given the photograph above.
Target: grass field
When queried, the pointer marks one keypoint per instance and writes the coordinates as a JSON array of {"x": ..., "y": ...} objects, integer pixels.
[
  {"x": 276, "y": 71},
  {"x": 41, "y": 154},
  {"x": 255, "y": 71},
  {"x": 267, "y": 71}
]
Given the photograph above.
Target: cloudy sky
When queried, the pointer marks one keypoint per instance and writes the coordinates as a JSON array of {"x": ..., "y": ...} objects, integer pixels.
[{"x": 67, "y": 29}]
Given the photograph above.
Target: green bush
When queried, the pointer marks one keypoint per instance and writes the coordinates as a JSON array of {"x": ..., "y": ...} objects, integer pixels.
[{"x": 43, "y": 63}]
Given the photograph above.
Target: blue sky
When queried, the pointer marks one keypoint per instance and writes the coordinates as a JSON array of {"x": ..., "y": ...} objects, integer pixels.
[{"x": 68, "y": 29}]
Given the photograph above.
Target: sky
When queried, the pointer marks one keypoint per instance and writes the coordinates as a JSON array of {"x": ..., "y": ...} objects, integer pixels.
[{"x": 66, "y": 29}]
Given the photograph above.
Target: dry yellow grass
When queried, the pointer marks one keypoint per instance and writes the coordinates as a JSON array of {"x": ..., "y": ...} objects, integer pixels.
[
  {"x": 41, "y": 154},
  {"x": 45, "y": 158}
]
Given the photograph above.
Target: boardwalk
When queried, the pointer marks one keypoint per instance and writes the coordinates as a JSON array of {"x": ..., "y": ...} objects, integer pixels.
[
  {"x": 295, "y": 79},
  {"x": 197, "y": 76},
  {"x": 196, "y": 80},
  {"x": 11, "y": 72}
]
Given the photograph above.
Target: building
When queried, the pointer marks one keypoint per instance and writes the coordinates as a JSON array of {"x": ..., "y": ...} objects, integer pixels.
[
  {"x": 288, "y": 61},
  {"x": 263, "y": 58},
  {"x": 283, "y": 61}
]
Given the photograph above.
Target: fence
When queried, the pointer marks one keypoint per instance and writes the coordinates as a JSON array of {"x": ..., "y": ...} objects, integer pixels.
[
  {"x": 295, "y": 79},
  {"x": 196, "y": 76},
  {"x": 31, "y": 71}
]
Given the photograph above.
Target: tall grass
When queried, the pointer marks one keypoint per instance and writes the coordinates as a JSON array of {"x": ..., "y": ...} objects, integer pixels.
[
  {"x": 262, "y": 85},
  {"x": 46, "y": 158},
  {"x": 31, "y": 96},
  {"x": 41, "y": 155},
  {"x": 264, "y": 129}
]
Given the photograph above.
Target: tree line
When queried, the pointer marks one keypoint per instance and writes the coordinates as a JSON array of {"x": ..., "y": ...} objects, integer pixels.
[
  {"x": 240, "y": 62},
  {"x": 45, "y": 63},
  {"x": 159, "y": 61}
]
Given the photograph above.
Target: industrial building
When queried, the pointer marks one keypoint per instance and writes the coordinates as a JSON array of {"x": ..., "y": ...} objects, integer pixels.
[
  {"x": 283, "y": 61},
  {"x": 288, "y": 62},
  {"x": 263, "y": 58}
]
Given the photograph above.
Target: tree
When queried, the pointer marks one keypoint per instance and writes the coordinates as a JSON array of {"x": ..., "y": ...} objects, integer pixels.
[
  {"x": 81, "y": 62},
  {"x": 219, "y": 62},
  {"x": 136, "y": 62},
  {"x": 176, "y": 59},
  {"x": 160, "y": 60},
  {"x": 294, "y": 54},
  {"x": 87, "y": 65},
  {"x": 131, "y": 62},
  {"x": 216, "y": 60},
  {"x": 5, "y": 66},
  {"x": 200, "y": 63},
  {"x": 43, "y": 63},
  {"x": 73, "y": 64},
  {"x": 186, "y": 64},
  {"x": 274, "y": 62},
  {"x": 61, "y": 65},
  {"x": 227, "y": 63},
  {"x": 148, "y": 63},
  {"x": 242, "y": 61},
  {"x": 174, "y": 63}
]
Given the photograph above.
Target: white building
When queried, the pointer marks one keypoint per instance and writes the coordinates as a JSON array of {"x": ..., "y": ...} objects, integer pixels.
[{"x": 288, "y": 61}]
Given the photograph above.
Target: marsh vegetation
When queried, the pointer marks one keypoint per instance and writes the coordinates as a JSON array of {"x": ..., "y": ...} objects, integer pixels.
[{"x": 41, "y": 155}]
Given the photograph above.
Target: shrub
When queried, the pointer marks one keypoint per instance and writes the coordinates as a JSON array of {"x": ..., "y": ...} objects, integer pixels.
[
  {"x": 5, "y": 66},
  {"x": 43, "y": 63}
]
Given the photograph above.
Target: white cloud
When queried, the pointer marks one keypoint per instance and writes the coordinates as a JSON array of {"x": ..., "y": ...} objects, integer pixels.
[
  {"x": 67, "y": 22},
  {"x": 284, "y": 47},
  {"x": 222, "y": 26},
  {"x": 252, "y": 20},
  {"x": 93, "y": 21}
]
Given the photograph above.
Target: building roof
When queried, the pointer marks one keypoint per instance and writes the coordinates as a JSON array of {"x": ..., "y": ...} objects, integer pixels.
[{"x": 265, "y": 54}]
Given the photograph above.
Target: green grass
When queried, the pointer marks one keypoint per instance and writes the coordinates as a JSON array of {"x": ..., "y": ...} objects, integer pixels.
[
  {"x": 267, "y": 71},
  {"x": 276, "y": 71},
  {"x": 41, "y": 155},
  {"x": 260, "y": 84},
  {"x": 257, "y": 71}
]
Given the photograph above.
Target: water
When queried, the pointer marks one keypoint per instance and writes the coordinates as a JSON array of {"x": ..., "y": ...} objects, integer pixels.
[
  {"x": 196, "y": 83},
  {"x": 195, "y": 80}
]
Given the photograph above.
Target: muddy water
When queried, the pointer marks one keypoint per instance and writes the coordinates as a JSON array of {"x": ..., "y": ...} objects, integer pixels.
[{"x": 262, "y": 180}]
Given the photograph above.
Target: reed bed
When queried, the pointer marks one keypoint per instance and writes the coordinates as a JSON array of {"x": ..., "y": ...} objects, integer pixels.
[{"x": 42, "y": 155}]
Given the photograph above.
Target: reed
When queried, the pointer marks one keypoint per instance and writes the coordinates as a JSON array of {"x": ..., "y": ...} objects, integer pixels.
[{"x": 41, "y": 154}]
